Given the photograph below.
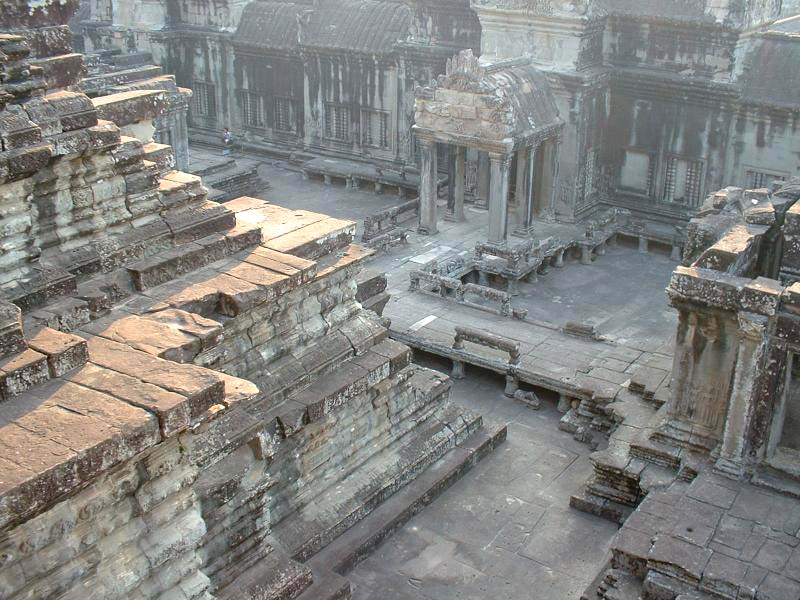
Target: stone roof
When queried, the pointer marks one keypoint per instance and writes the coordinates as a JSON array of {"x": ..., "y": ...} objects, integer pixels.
[
  {"x": 268, "y": 25},
  {"x": 369, "y": 26},
  {"x": 672, "y": 9},
  {"x": 769, "y": 74},
  {"x": 500, "y": 105}
]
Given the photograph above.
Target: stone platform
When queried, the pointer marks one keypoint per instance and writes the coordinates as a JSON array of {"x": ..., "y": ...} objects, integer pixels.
[
  {"x": 144, "y": 412},
  {"x": 193, "y": 403},
  {"x": 711, "y": 538},
  {"x": 227, "y": 176}
]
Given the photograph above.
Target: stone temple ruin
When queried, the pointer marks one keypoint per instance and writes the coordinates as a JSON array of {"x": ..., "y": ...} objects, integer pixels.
[{"x": 210, "y": 394}]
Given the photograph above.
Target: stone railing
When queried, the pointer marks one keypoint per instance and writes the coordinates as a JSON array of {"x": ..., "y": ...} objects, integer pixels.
[
  {"x": 452, "y": 288},
  {"x": 486, "y": 293},
  {"x": 433, "y": 283},
  {"x": 494, "y": 342},
  {"x": 490, "y": 340},
  {"x": 382, "y": 228}
]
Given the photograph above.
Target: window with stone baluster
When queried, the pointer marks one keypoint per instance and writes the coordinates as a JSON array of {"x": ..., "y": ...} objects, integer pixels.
[
  {"x": 285, "y": 115},
  {"x": 375, "y": 129},
  {"x": 204, "y": 100},
  {"x": 337, "y": 122},
  {"x": 683, "y": 181},
  {"x": 252, "y": 106}
]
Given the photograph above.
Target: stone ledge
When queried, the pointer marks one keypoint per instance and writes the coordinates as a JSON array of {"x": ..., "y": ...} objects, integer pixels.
[
  {"x": 127, "y": 108},
  {"x": 60, "y": 435},
  {"x": 58, "y": 438},
  {"x": 358, "y": 542}
]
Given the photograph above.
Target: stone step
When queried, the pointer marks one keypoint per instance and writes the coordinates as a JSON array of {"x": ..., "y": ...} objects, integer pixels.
[
  {"x": 655, "y": 451},
  {"x": 200, "y": 388},
  {"x": 179, "y": 190},
  {"x": 311, "y": 528},
  {"x": 315, "y": 240},
  {"x": 64, "y": 351},
  {"x": 191, "y": 256},
  {"x": 12, "y": 338},
  {"x": 21, "y": 372},
  {"x": 131, "y": 107},
  {"x": 273, "y": 577},
  {"x": 161, "y": 155},
  {"x": 293, "y": 373},
  {"x": 216, "y": 167},
  {"x": 347, "y": 550},
  {"x": 592, "y": 504},
  {"x": 780, "y": 473},
  {"x": 43, "y": 284},
  {"x": 301, "y": 233},
  {"x": 199, "y": 221},
  {"x": 100, "y": 82},
  {"x": 349, "y": 379},
  {"x": 327, "y": 585}
]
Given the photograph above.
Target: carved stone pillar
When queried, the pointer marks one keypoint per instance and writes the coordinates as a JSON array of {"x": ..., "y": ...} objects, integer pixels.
[
  {"x": 526, "y": 160},
  {"x": 525, "y": 204},
  {"x": 522, "y": 172},
  {"x": 752, "y": 348},
  {"x": 451, "y": 171},
  {"x": 484, "y": 175},
  {"x": 705, "y": 356},
  {"x": 498, "y": 198},
  {"x": 460, "y": 177},
  {"x": 428, "y": 188}
]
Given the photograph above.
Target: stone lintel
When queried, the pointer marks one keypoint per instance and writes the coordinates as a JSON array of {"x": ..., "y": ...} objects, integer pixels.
[{"x": 505, "y": 146}]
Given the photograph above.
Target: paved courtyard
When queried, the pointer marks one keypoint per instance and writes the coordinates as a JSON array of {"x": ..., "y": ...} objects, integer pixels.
[{"x": 504, "y": 531}]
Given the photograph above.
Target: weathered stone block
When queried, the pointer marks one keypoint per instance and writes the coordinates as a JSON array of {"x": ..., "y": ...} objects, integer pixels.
[
  {"x": 21, "y": 372},
  {"x": 64, "y": 352}
]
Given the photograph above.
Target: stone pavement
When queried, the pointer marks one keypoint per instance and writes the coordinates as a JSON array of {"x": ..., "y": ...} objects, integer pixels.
[
  {"x": 720, "y": 536},
  {"x": 504, "y": 531}
]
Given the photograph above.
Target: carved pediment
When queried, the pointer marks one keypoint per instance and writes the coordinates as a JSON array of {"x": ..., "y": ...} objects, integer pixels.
[{"x": 464, "y": 73}]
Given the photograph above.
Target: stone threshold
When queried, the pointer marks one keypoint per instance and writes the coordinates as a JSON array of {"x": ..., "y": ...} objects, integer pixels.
[{"x": 330, "y": 565}]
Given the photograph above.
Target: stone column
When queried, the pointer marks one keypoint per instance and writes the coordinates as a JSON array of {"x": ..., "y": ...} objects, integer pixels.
[
  {"x": 549, "y": 179},
  {"x": 703, "y": 368},
  {"x": 428, "y": 188},
  {"x": 525, "y": 206},
  {"x": 180, "y": 140},
  {"x": 520, "y": 185},
  {"x": 460, "y": 176},
  {"x": 733, "y": 452},
  {"x": 451, "y": 175},
  {"x": 498, "y": 198},
  {"x": 482, "y": 193}
]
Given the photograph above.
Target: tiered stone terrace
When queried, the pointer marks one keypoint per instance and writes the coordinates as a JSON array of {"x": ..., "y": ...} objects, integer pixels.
[{"x": 193, "y": 401}]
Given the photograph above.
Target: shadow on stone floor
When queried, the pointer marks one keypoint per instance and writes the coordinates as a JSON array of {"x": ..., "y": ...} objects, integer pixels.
[{"x": 504, "y": 531}]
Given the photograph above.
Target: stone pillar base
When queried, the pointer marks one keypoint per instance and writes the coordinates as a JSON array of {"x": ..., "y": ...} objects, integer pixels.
[
  {"x": 586, "y": 254},
  {"x": 512, "y": 385},
  {"x": 524, "y": 232},
  {"x": 458, "y": 370}
]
